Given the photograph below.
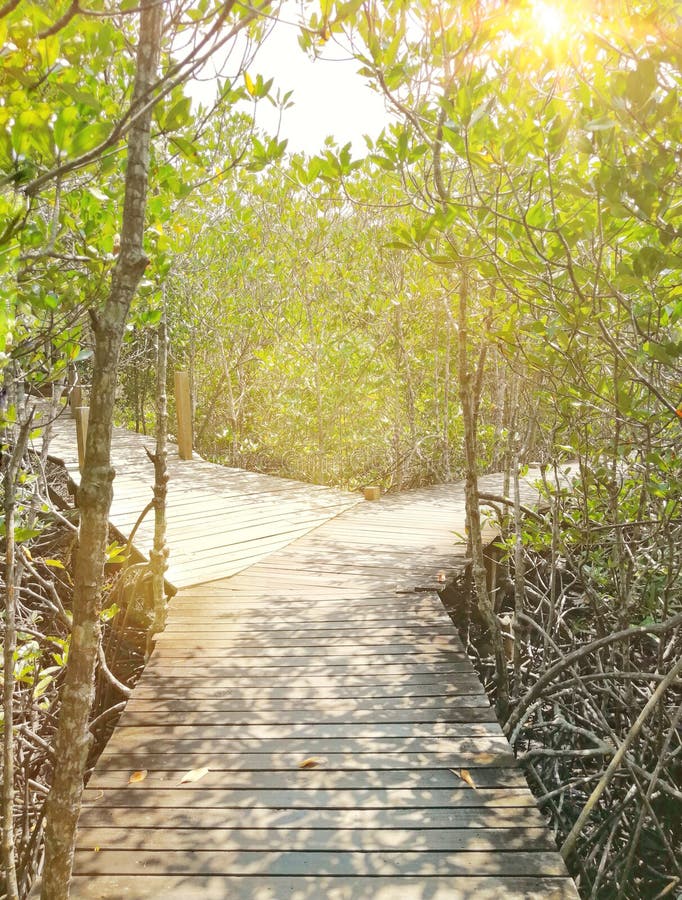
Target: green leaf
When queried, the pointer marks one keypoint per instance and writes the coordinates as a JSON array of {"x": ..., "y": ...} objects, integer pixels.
[
  {"x": 22, "y": 534},
  {"x": 42, "y": 686},
  {"x": 641, "y": 83},
  {"x": 178, "y": 115},
  {"x": 537, "y": 215},
  {"x": 89, "y": 137},
  {"x": 601, "y": 124},
  {"x": 186, "y": 147}
]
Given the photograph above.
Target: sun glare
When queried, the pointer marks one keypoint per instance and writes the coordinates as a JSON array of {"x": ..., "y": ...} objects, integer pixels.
[{"x": 549, "y": 19}]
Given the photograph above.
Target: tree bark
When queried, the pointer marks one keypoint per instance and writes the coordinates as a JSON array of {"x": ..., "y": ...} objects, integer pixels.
[
  {"x": 95, "y": 492},
  {"x": 469, "y": 402},
  {"x": 159, "y": 553},
  {"x": 11, "y": 467}
]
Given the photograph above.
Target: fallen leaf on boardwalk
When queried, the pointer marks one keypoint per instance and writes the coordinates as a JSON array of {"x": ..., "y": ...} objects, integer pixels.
[
  {"x": 194, "y": 775},
  {"x": 465, "y": 775},
  {"x": 441, "y": 577},
  {"x": 309, "y": 763},
  {"x": 137, "y": 776}
]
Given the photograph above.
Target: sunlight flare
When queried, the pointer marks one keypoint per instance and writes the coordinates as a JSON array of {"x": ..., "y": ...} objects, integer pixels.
[{"x": 550, "y": 20}]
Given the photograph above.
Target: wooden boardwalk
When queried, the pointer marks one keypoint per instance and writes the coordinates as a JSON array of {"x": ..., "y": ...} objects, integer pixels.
[
  {"x": 349, "y": 748},
  {"x": 220, "y": 520}
]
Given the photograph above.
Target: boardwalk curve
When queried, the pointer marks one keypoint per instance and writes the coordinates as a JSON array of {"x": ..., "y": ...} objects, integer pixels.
[{"x": 350, "y": 749}]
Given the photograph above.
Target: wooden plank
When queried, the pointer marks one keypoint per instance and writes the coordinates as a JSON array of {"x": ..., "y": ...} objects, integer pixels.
[
  {"x": 296, "y": 864},
  {"x": 123, "y": 741},
  {"x": 258, "y": 887},
  {"x": 462, "y": 709},
  {"x": 371, "y": 798},
  {"x": 329, "y": 780},
  {"x": 182, "y": 689},
  {"x": 465, "y": 683},
  {"x": 236, "y": 611},
  {"x": 256, "y": 781},
  {"x": 232, "y": 623},
  {"x": 454, "y": 661},
  {"x": 310, "y": 675},
  {"x": 343, "y": 710},
  {"x": 309, "y": 650},
  {"x": 417, "y": 819},
  {"x": 305, "y": 637},
  {"x": 288, "y": 839},
  {"x": 286, "y": 731},
  {"x": 314, "y": 676},
  {"x": 442, "y": 639},
  {"x": 383, "y": 630},
  {"x": 495, "y": 755},
  {"x": 318, "y": 610}
]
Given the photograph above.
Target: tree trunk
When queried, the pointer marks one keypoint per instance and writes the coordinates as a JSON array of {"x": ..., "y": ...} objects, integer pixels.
[
  {"x": 95, "y": 492},
  {"x": 159, "y": 554},
  {"x": 468, "y": 400},
  {"x": 446, "y": 398},
  {"x": 519, "y": 577},
  {"x": 317, "y": 380},
  {"x": 12, "y": 464}
]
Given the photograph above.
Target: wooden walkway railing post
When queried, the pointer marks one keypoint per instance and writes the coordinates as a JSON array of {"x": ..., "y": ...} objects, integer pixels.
[
  {"x": 82, "y": 414},
  {"x": 75, "y": 398},
  {"x": 183, "y": 408}
]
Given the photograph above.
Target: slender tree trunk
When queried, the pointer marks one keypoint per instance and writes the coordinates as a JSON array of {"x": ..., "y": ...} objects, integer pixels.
[
  {"x": 467, "y": 387},
  {"x": 315, "y": 347},
  {"x": 48, "y": 427},
  {"x": 11, "y": 467},
  {"x": 159, "y": 554},
  {"x": 519, "y": 577},
  {"x": 446, "y": 398},
  {"x": 232, "y": 406},
  {"x": 95, "y": 492}
]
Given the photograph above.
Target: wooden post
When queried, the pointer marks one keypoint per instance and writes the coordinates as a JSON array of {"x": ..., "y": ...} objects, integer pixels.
[
  {"x": 372, "y": 492},
  {"x": 82, "y": 413},
  {"x": 183, "y": 408},
  {"x": 75, "y": 398}
]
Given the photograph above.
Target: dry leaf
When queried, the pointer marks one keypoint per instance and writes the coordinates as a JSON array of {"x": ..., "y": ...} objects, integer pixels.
[
  {"x": 194, "y": 775},
  {"x": 441, "y": 577},
  {"x": 465, "y": 775},
  {"x": 308, "y": 763},
  {"x": 137, "y": 776}
]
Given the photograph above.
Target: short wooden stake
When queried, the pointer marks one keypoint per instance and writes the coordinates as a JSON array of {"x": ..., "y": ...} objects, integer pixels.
[
  {"x": 82, "y": 414},
  {"x": 75, "y": 398},
  {"x": 372, "y": 492},
  {"x": 183, "y": 408}
]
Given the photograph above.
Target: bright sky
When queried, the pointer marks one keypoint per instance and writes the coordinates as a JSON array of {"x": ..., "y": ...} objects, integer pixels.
[
  {"x": 330, "y": 98},
  {"x": 329, "y": 95}
]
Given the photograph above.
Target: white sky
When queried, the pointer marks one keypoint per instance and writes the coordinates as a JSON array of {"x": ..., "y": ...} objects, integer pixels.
[{"x": 330, "y": 97}]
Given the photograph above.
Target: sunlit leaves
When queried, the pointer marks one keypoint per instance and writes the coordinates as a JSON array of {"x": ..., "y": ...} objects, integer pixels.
[{"x": 264, "y": 153}]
